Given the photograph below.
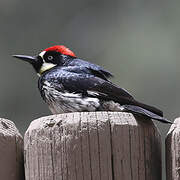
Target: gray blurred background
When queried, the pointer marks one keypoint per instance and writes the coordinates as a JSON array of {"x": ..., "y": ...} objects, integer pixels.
[{"x": 139, "y": 41}]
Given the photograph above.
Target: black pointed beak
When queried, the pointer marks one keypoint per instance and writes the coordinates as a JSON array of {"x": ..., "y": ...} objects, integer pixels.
[{"x": 30, "y": 59}]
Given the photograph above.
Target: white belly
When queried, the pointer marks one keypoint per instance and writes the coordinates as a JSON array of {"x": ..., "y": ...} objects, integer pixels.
[{"x": 68, "y": 102}]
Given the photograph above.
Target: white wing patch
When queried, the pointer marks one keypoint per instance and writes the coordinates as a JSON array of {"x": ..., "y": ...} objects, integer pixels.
[
  {"x": 93, "y": 93},
  {"x": 71, "y": 95}
]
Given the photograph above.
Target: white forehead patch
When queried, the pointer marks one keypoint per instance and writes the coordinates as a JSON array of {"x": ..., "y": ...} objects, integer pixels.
[{"x": 42, "y": 54}]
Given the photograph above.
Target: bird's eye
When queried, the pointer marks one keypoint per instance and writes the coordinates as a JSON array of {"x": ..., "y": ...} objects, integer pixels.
[{"x": 50, "y": 58}]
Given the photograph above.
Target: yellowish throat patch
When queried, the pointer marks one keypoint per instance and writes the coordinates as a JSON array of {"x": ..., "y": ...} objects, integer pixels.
[{"x": 46, "y": 66}]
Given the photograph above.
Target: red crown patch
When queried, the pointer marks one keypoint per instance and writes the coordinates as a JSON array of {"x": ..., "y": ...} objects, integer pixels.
[{"x": 62, "y": 49}]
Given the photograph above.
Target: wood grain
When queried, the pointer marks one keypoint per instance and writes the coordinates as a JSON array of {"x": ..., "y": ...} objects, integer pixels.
[
  {"x": 173, "y": 152},
  {"x": 11, "y": 152},
  {"x": 92, "y": 146}
]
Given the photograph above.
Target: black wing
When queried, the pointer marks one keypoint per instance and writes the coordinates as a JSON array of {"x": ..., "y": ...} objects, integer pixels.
[
  {"x": 116, "y": 94},
  {"x": 81, "y": 80},
  {"x": 95, "y": 69}
]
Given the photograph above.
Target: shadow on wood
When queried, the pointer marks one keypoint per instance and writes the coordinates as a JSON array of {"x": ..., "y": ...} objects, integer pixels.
[{"x": 92, "y": 146}]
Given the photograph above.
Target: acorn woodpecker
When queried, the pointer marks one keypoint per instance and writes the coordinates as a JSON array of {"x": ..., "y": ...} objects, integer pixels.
[{"x": 69, "y": 84}]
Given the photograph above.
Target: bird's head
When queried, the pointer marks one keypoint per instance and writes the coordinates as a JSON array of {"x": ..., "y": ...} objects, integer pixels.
[{"x": 48, "y": 58}]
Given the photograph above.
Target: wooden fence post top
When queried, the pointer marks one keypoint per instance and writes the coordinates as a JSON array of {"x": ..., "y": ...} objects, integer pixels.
[
  {"x": 8, "y": 128},
  {"x": 92, "y": 145},
  {"x": 173, "y": 151},
  {"x": 175, "y": 127},
  {"x": 11, "y": 151},
  {"x": 122, "y": 118}
]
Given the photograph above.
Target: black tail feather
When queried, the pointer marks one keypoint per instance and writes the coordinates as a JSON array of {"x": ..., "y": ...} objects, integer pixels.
[
  {"x": 145, "y": 112},
  {"x": 150, "y": 108}
]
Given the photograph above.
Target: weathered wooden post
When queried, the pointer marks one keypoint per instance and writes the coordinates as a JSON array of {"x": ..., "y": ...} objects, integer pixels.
[
  {"x": 92, "y": 146},
  {"x": 11, "y": 152},
  {"x": 173, "y": 152}
]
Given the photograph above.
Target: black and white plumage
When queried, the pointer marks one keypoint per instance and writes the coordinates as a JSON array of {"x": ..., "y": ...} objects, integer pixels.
[{"x": 69, "y": 84}]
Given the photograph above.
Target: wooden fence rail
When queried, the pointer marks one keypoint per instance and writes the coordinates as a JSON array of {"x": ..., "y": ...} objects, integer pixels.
[{"x": 82, "y": 146}]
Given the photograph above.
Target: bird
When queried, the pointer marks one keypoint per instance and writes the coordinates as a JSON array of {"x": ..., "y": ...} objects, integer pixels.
[{"x": 70, "y": 84}]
